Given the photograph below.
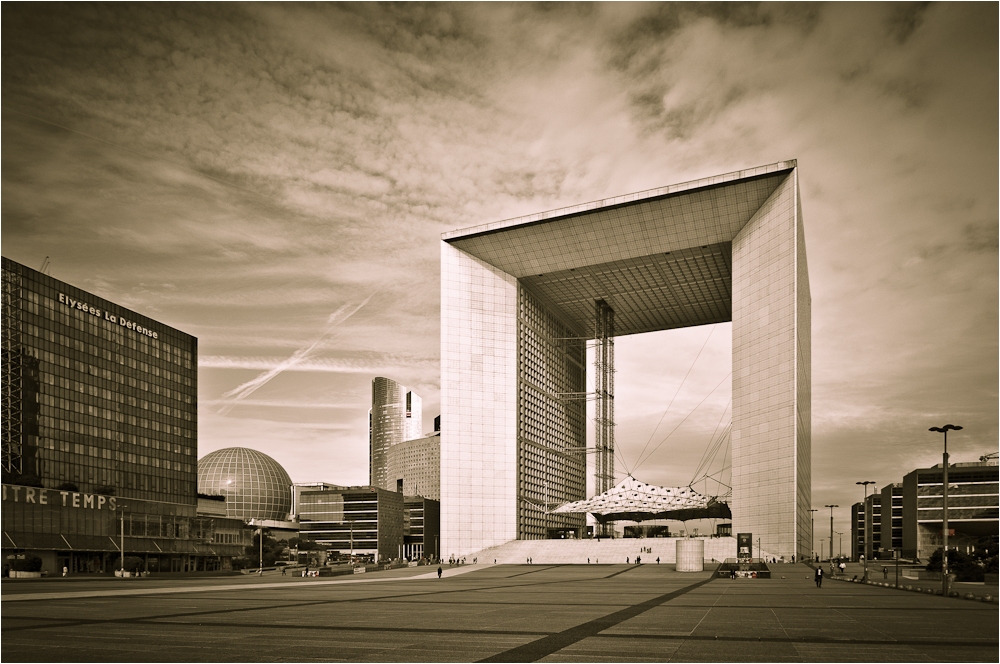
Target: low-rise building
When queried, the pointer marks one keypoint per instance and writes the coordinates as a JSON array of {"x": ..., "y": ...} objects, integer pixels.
[
  {"x": 891, "y": 539},
  {"x": 873, "y": 525},
  {"x": 421, "y": 528},
  {"x": 363, "y": 520},
  {"x": 972, "y": 508}
]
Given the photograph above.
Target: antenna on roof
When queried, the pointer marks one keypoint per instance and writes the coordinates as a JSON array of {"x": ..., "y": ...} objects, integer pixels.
[{"x": 45, "y": 265}]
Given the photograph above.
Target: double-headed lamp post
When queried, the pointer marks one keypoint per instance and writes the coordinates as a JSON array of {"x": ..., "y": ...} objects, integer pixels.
[
  {"x": 944, "y": 512},
  {"x": 864, "y": 530},
  {"x": 831, "y": 528},
  {"x": 812, "y": 533}
]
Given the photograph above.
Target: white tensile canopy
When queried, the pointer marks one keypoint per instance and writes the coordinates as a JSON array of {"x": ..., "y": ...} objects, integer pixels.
[{"x": 633, "y": 500}]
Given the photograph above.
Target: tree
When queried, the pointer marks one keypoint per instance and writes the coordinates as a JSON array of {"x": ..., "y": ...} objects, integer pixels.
[
  {"x": 132, "y": 563},
  {"x": 964, "y": 567},
  {"x": 272, "y": 550},
  {"x": 302, "y": 544},
  {"x": 30, "y": 563}
]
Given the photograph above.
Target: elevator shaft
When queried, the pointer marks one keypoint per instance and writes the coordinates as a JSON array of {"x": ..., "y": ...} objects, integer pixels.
[{"x": 604, "y": 409}]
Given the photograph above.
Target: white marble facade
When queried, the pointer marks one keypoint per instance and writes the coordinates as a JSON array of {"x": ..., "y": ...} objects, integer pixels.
[{"x": 723, "y": 248}]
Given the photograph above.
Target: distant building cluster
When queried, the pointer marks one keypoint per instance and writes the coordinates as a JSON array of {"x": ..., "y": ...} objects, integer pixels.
[
  {"x": 100, "y": 440},
  {"x": 906, "y": 518}
]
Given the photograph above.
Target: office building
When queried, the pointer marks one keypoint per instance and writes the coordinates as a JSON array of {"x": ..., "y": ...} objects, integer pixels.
[
  {"x": 396, "y": 416},
  {"x": 972, "y": 508},
  {"x": 857, "y": 531},
  {"x": 520, "y": 298},
  {"x": 299, "y": 487},
  {"x": 891, "y": 537},
  {"x": 99, "y": 428},
  {"x": 421, "y": 528},
  {"x": 362, "y": 520},
  {"x": 873, "y": 525},
  {"x": 414, "y": 467}
]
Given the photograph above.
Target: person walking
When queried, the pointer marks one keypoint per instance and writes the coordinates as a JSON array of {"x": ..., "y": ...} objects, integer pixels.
[
  {"x": 626, "y": 560},
  {"x": 819, "y": 577},
  {"x": 885, "y": 572},
  {"x": 439, "y": 571},
  {"x": 657, "y": 560}
]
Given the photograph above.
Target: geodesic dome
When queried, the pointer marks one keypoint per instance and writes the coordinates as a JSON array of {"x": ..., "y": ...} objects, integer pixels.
[{"x": 254, "y": 484}]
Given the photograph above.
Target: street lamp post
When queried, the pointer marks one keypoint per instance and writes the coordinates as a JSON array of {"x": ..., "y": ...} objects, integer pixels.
[
  {"x": 122, "y": 508},
  {"x": 840, "y": 545},
  {"x": 944, "y": 513},
  {"x": 831, "y": 528},
  {"x": 812, "y": 533},
  {"x": 864, "y": 536}
]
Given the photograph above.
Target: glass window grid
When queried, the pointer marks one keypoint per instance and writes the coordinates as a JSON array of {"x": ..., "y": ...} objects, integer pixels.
[{"x": 116, "y": 407}]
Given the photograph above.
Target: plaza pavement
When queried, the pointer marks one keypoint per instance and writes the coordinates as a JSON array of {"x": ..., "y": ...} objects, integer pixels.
[{"x": 498, "y": 613}]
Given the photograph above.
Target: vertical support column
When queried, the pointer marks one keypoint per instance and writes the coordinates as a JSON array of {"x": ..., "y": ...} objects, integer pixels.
[
  {"x": 11, "y": 384},
  {"x": 771, "y": 449},
  {"x": 479, "y": 391},
  {"x": 604, "y": 411}
]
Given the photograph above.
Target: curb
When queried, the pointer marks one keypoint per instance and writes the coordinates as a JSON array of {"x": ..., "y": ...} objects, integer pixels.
[{"x": 930, "y": 591}]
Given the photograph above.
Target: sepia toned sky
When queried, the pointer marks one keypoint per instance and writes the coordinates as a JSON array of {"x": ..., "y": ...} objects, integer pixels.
[{"x": 274, "y": 179}]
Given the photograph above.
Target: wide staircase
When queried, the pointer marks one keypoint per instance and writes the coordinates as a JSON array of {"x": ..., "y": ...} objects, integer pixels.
[{"x": 603, "y": 551}]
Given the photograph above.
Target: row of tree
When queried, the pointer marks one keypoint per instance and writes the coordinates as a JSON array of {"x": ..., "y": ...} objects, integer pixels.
[{"x": 274, "y": 550}]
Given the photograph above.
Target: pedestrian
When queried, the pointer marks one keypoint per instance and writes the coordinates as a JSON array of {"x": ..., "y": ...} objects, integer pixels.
[
  {"x": 657, "y": 560},
  {"x": 588, "y": 561},
  {"x": 626, "y": 560},
  {"x": 885, "y": 572},
  {"x": 638, "y": 560},
  {"x": 843, "y": 567},
  {"x": 282, "y": 571},
  {"x": 819, "y": 577},
  {"x": 439, "y": 571}
]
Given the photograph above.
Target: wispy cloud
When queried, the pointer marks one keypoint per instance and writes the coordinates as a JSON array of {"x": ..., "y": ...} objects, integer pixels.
[
  {"x": 273, "y": 403},
  {"x": 241, "y": 392},
  {"x": 316, "y": 364},
  {"x": 231, "y": 169}
]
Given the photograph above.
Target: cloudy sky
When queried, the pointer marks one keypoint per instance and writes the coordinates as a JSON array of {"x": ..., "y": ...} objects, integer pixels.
[{"x": 274, "y": 179}]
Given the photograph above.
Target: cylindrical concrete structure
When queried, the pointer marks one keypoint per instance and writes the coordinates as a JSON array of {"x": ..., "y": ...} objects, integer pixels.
[{"x": 690, "y": 555}]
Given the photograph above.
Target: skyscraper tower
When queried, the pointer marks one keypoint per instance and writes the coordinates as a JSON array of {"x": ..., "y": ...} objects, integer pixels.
[{"x": 396, "y": 415}]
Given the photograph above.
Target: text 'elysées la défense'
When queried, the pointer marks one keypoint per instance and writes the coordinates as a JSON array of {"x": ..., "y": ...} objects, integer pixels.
[{"x": 108, "y": 316}]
